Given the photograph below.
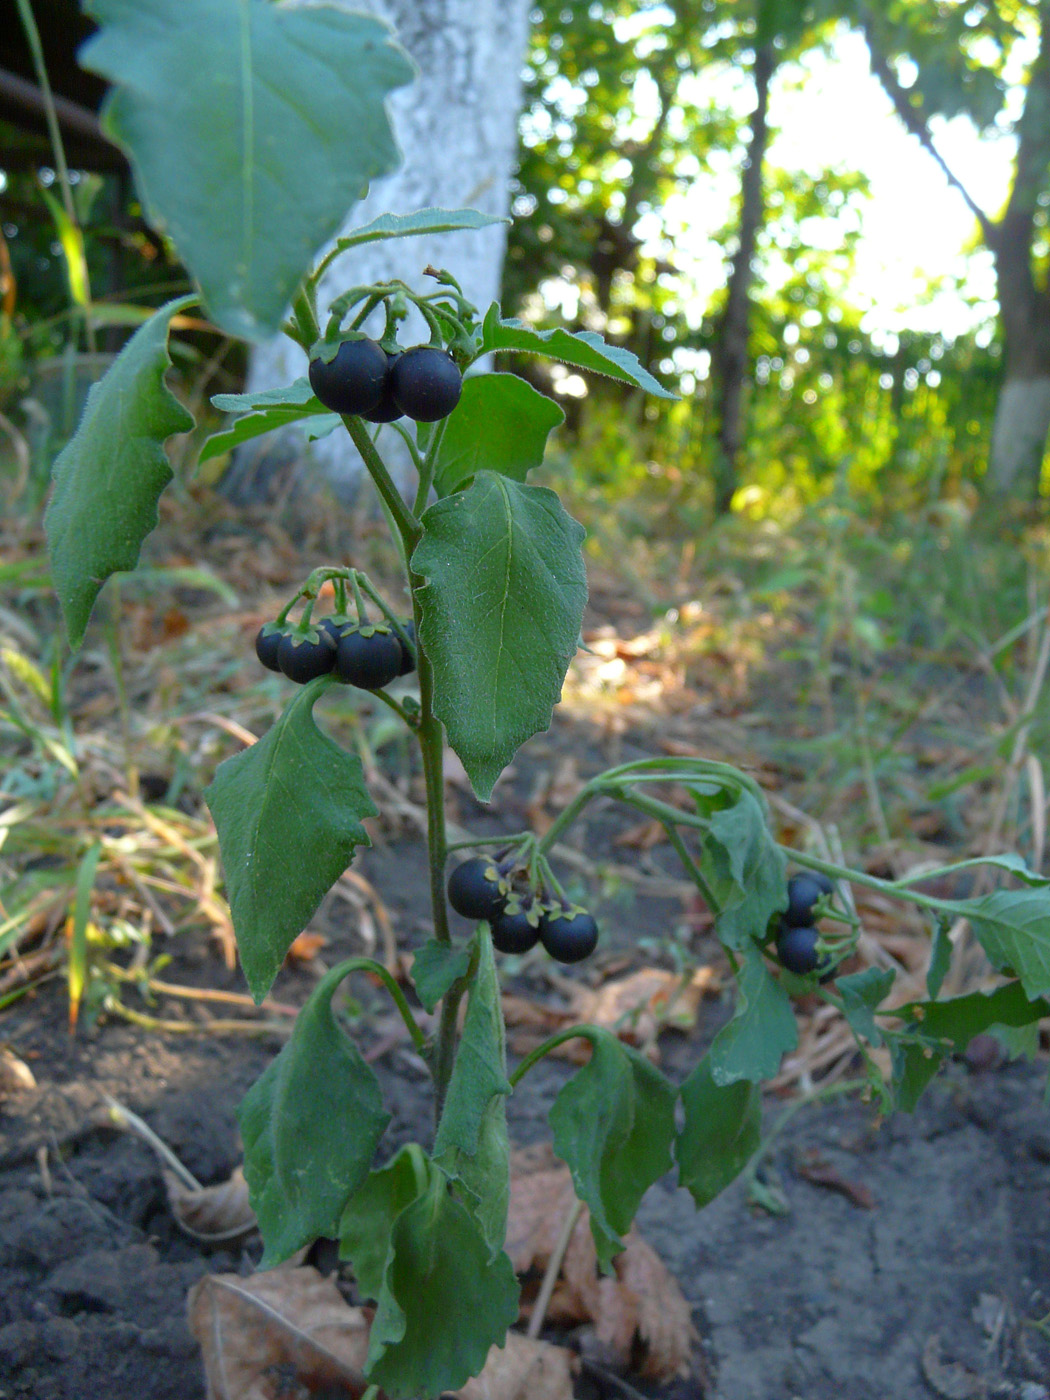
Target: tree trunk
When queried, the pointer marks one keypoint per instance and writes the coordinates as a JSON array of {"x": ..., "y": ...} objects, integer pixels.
[
  {"x": 457, "y": 127},
  {"x": 729, "y": 357}
]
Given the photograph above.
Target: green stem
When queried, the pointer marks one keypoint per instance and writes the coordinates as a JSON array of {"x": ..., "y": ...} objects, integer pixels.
[
  {"x": 691, "y": 867},
  {"x": 304, "y": 315},
  {"x": 590, "y": 1033},
  {"x": 344, "y": 969},
  {"x": 567, "y": 816},
  {"x": 893, "y": 888},
  {"x": 398, "y": 709},
  {"x": 832, "y": 1091},
  {"x": 408, "y": 526}
]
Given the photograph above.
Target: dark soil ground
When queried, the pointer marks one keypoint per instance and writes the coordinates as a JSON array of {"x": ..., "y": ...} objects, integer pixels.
[
  {"x": 932, "y": 1289},
  {"x": 926, "y": 1278}
]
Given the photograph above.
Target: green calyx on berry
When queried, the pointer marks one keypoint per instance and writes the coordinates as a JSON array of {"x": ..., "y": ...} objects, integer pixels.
[
  {"x": 426, "y": 383},
  {"x": 368, "y": 657},
  {"x": 476, "y": 889},
  {"x": 303, "y": 656},
  {"x": 353, "y": 380},
  {"x": 568, "y": 932}
]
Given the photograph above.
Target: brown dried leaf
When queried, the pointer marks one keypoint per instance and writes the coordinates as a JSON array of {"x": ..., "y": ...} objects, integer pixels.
[
  {"x": 641, "y": 1301},
  {"x": 642, "y": 837},
  {"x": 949, "y": 1379},
  {"x": 254, "y": 1331},
  {"x": 523, "y": 1369},
  {"x": 15, "y": 1075},
  {"x": 305, "y": 947},
  {"x": 637, "y": 1006},
  {"x": 214, "y": 1213}
]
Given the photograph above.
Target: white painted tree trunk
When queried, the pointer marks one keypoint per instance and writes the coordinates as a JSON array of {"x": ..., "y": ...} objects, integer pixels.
[
  {"x": 457, "y": 128},
  {"x": 1019, "y": 436}
]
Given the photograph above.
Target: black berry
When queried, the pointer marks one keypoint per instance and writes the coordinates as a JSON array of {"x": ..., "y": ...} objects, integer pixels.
[
  {"x": 569, "y": 937},
  {"x": 797, "y": 949},
  {"x": 303, "y": 659},
  {"x": 266, "y": 646},
  {"x": 336, "y": 626},
  {"x": 408, "y": 660},
  {"x": 387, "y": 408},
  {"x": 473, "y": 889},
  {"x": 354, "y": 380},
  {"x": 513, "y": 931},
  {"x": 426, "y": 383},
  {"x": 369, "y": 661},
  {"x": 803, "y": 893}
]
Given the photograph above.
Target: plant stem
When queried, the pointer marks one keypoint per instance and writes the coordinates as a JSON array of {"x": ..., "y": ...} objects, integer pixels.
[
  {"x": 551, "y": 1043},
  {"x": 305, "y": 318},
  {"x": 408, "y": 526}
]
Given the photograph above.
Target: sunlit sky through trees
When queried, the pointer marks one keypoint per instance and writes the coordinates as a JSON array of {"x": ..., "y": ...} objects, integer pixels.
[{"x": 912, "y": 268}]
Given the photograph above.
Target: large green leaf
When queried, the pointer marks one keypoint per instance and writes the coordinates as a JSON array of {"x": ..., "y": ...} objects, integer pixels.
[
  {"x": 862, "y": 993},
  {"x": 311, "y": 1125},
  {"x": 471, "y": 1143},
  {"x": 252, "y": 128},
  {"x": 288, "y": 813},
  {"x": 761, "y": 1032},
  {"x": 745, "y": 870},
  {"x": 1013, "y": 928},
  {"x": 720, "y": 1135},
  {"x": 502, "y": 607},
  {"x": 613, "y": 1125},
  {"x": 445, "y": 1302},
  {"x": 500, "y": 424},
  {"x": 367, "y": 1223},
  {"x": 584, "y": 349},
  {"x": 110, "y": 475},
  {"x": 266, "y": 411}
]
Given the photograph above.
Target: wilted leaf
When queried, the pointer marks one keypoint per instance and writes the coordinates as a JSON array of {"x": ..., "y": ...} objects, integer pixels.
[
  {"x": 212, "y": 1213},
  {"x": 257, "y": 1334}
]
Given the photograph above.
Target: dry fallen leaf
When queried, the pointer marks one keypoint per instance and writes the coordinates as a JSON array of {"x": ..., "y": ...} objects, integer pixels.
[
  {"x": 305, "y": 947},
  {"x": 523, "y": 1369},
  {"x": 821, "y": 1173},
  {"x": 949, "y": 1379},
  {"x": 641, "y": 1303},
  {"x": 213, "y": 1213},
  {"x": 15, "y": 1075},
  {"x": 639, "y": 1005},
  {"x": 256, "y": 1333}
]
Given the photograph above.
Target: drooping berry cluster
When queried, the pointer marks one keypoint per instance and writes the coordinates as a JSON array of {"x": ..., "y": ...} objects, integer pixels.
[
  {"x": 423, "y": 383},
  {"x": 366, "y": 656},
  {"x": 797, "y": 936},
  {"x": 519, "y": 919}
]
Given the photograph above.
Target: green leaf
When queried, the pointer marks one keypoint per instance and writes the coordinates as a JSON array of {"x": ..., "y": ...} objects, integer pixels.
[
  {"x": 613, "y": 1125},
  {"x": 422, "y": 222},
  {"x": 252, "y": 128},
  {"x": 1013, "y": 928},
  {"x": 444, "y": 1302},
  {"x": 434, "y": 969},
  {"x": 295, "y": 397},
  {"x": 721, "y": 1133},
  {"x": 761, "y": 1032},
  {"x": 367, "y": 1223},
  {"x": 266, "y": 411},
  {"x": 861, "y": 993},
  {"x": 940, "y": 957},
  {"x": 110, "y": 475},
  {"x": 501, "y": 613},
  {"x": 745, "y": 870},
  {"x": 288, "y": 813},
  {"x": 914, "y": 1065},
  {"x": 500, "y": 424},
  {"x": 311, "y": 1125},
  {"x": 583, "y": 349},
  {"x": 471, "y": 1143}
]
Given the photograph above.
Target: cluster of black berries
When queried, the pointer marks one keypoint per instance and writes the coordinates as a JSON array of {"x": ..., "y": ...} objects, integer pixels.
[
  {"x": 796, "y": 935},
  {"x": 367, "y": 656},
  {"x": 477, "y": 890},
  {"x": 423, "y": 383}
]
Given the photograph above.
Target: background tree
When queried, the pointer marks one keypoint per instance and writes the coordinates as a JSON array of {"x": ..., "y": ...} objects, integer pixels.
[{"x": 942, "y": 61}]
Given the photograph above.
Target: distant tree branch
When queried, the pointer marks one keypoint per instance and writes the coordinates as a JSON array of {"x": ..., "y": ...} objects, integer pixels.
[{"x": 914, "y": 119}]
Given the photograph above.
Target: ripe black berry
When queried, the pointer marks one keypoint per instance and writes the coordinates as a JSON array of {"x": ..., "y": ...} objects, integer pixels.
[
  {"x": 797, "y": 949},
  {"x": 354, "y": 380},
  {"x": 569, "y": 937},
  {"x": 303, "y": 659},
  {"x": 408, "y": 660},
  {"x": 473, "y": 889},
  {"x": 803, "y": 893},
  {"x": 513, "y": 931},
  {"x": 266, "y": 646},
  {"x": 387, "y": 408},
  {"x": 426, "y": 383},
  {"x": 336, "y": 626},
  {"x": 367, "y": 660}
]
